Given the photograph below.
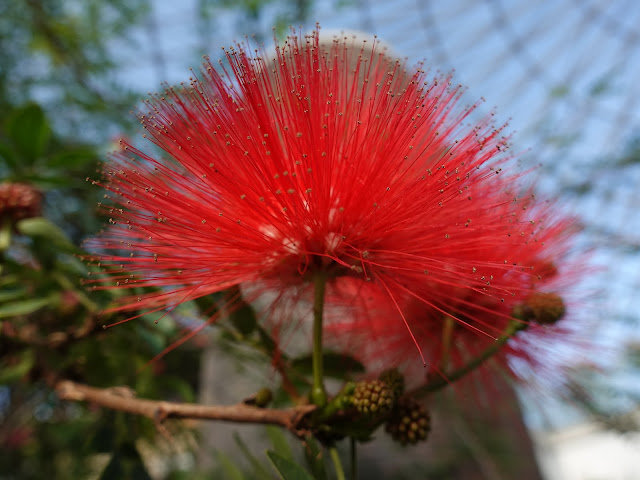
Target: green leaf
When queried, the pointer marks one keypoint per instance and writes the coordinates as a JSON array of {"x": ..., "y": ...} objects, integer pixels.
[
  {"x": 41, "y": 227},
  {"x": 11, "y": 294},
  {"x": 47, "y": 179},
  {"x": 244, "y": 319},
  {"x": 8, "y": 155},
  {"x": 18, "y": 370},
  {"x": 25, "y": 307},
  {"x": 6, "y": 280},
  {"x": 279, "y": 442},
  {"x": 179, "y": 386},
  {"x": 336, "y": 365},
  {"x": 231, "y": 471},
  {"x": 5, "y": 236},
  {"x": 72, "y": 159},
  {"x": 155, "y": 340},
  {"x": 73, "y": 266},
  {"x": 102, "y": 438},
  {"x": 126, "y": 464},
  {"x": 288, "y": 469},
  {"x": 259, "y": 470},
  {"x": 315, "y": 458},
  {"x": 29, "y": 132}
]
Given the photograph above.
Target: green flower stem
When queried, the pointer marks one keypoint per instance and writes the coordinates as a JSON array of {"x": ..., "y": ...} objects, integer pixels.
[
  {"x": 318, "y": 393},
  {"x": 434, "y": 385},
  {"x": 337, "y": 464}
]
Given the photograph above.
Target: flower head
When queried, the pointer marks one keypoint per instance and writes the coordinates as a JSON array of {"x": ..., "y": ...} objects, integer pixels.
[
  {"x": 18, "y": 201},
  {"x": 333, "y": 160}
]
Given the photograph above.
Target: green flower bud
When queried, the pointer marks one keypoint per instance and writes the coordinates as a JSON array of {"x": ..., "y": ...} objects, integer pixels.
[{"x": 543, "y": 308}]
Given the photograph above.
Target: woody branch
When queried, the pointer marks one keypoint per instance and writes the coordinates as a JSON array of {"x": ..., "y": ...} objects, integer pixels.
[{"x": 158, "y": 411}]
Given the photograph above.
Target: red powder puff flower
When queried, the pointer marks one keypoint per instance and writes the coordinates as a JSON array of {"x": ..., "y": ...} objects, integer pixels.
[
  {"x": 460, "y": 328},
  {"x": 324, "y": 159}
]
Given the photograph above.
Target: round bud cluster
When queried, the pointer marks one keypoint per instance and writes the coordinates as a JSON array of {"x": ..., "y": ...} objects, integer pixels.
[
  {"x": 543, "y": 308},
  {"x": 18, "y": 201},
  {"x": 373, "y": 397},
  {"x": 394, "y": 380},
  {"x": 409, "y": 423}
]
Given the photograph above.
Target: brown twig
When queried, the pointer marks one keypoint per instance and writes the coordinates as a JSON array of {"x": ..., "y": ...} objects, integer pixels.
[
  {"x": 290, "y": 418},
  {"x": 29, "y": 335}
]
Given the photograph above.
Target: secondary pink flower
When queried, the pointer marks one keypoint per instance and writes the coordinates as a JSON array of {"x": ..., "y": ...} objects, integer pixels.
[
  {"x": 454, "y": 324},
  {"x": 330, "y": 160}
]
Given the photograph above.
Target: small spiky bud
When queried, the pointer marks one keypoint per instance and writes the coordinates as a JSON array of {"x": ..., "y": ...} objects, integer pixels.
[
  {"x": 409, "y": 423},
  {"x": 373, "y": 397},
  {"x": 261, "y": 398},
  {"x": 394, "y": 380},
  {"x": 543, "y": 308},
  {"x": 18, "y": 201}
]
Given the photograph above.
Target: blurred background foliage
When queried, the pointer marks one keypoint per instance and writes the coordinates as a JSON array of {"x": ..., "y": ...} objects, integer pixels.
[{"x": 62, "y": 104}]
